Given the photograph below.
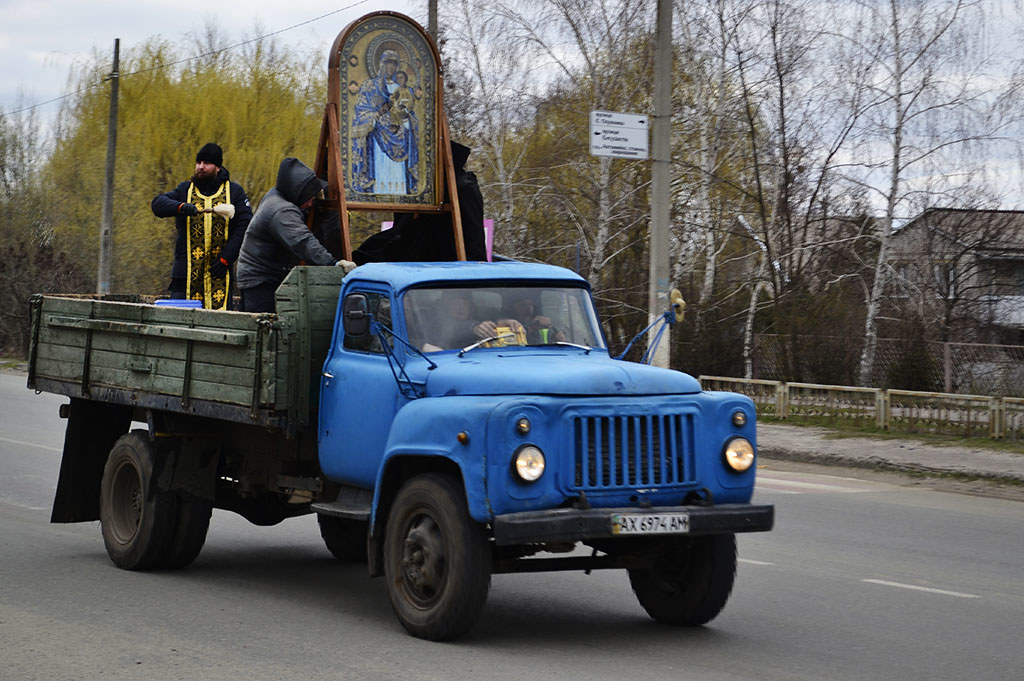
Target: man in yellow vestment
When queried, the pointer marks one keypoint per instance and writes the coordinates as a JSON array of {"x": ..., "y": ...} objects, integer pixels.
[{"x": 211, "y": 214}]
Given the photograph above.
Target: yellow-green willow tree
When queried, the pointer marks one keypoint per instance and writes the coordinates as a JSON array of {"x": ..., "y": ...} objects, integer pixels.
[{"x": 259, "y": 103}]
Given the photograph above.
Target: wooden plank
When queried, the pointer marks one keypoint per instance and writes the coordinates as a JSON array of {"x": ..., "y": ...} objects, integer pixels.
[
  {"x": 144, "y": 363},
  {"x": 214, "y": 383},
  {"x": 59, "y": 370},
  {"x": 200, "y": 389},
  {"x": 156, "y": 347},
  {"x": 206, "y": 320},
  {"x": 142, "y": 329}
]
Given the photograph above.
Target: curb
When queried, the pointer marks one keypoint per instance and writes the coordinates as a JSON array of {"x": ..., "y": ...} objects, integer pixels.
[{"x": 878, "y": 463}]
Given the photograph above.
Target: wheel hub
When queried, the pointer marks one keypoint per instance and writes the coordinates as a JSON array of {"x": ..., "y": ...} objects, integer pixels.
[
  {"x": 127, "y": 503},
  {"x": 423, "y": 560}
]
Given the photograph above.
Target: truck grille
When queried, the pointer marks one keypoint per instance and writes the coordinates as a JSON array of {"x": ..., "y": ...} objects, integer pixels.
[{"x": 633, "y": 451}]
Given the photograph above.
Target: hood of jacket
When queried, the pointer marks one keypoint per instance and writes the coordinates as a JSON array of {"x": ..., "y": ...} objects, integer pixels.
[{"x": 297, "y": 182}]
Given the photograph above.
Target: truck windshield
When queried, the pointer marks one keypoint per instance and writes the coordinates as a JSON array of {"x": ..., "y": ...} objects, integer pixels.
[{"x": 454, "y": 318}]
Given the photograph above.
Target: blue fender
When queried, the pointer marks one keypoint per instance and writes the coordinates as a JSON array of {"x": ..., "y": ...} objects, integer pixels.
[{"x": 429, "y": 427}]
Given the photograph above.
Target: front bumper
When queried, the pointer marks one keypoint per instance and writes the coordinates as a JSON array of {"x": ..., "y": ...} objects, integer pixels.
[{"x": 572, "y": 525}]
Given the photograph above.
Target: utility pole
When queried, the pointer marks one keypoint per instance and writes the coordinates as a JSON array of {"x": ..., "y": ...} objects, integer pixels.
[
  {"x": 107, "y": 215},
  {"x": 432, "y": 19},
  {"x": 661, "y": 138}
]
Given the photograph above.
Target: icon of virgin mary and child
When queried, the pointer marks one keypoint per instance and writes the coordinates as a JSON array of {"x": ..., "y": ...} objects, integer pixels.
[{"x": 385, "y": 131}]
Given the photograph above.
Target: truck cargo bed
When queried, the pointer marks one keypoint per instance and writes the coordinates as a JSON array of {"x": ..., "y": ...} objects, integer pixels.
[{"x": 250, "y": 368}]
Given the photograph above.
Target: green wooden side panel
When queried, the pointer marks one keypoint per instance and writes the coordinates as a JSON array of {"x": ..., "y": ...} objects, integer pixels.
[{"x": 306, "y": 304}]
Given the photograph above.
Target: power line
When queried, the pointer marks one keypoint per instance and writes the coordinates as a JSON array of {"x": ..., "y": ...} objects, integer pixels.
[{"x": 189, "y": 59}]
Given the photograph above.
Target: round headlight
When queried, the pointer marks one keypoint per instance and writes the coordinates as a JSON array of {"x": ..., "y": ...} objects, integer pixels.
[
  {"x": 738, "y": 454},
  {"x": 739, "y": 418},
  {"x": 529, "y": 463}
]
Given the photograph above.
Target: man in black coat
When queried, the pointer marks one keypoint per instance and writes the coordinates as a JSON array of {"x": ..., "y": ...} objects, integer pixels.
[
  {"x": 211, "y": 214},
  {"x": 428, "y": 237}
]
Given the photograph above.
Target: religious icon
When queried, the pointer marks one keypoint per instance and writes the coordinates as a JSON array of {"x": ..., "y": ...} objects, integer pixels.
[{"x": 388, "y": 112}]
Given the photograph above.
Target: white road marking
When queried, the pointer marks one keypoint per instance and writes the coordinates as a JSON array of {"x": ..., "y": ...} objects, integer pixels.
[
  {"x": 30, "y": 444},
  {"x": 796, "y": 483},
  {"x": 920, "y": 588},
  {"x": 754, "y": 562}
]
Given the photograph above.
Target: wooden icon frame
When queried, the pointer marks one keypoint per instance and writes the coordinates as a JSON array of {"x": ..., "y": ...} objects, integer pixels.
[{"x": 357, "y": 90}]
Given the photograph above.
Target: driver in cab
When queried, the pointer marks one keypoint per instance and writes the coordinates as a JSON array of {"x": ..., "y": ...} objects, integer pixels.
[{"x": 456, "y": 325}]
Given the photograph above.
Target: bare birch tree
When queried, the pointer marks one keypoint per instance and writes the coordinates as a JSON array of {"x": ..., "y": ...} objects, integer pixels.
[
  {"x": 499, "y": 94},
  {"x": 925, "y": 101},
  {"x": 769, "y": 137}
]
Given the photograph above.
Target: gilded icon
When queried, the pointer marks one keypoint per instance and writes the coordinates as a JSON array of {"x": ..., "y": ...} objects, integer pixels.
[{"x": 388, "y": 113}]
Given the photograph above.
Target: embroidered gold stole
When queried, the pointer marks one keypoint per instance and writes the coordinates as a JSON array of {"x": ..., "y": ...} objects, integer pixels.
[{"x": 207, "y": 234}]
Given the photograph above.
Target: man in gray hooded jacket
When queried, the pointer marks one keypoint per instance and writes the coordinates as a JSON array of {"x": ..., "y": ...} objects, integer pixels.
[{"x": 277, "y": 238}]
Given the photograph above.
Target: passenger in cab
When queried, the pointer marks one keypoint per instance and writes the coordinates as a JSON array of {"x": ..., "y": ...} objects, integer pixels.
[{"x": 457, "y": 324}]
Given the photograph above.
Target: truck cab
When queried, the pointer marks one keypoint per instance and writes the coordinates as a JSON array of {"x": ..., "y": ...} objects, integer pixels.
[{"x": 472, "y": 420}]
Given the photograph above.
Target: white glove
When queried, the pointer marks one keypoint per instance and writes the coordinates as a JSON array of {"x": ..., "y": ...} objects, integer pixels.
[
  {"x": 348, "y": 265},
  {"x": 225, "y": 209}
]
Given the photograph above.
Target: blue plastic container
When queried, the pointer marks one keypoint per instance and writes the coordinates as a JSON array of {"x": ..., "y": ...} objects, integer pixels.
[{"x": 179, "y": 302}]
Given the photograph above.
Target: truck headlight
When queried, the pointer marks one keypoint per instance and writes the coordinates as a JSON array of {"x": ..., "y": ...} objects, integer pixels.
[
  {"x": 529, "y": 463},
  {"x": 738, "y": 454}
]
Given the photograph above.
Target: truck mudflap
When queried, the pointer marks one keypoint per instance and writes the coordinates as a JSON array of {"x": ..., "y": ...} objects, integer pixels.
[{"x": 572, "y": 525}]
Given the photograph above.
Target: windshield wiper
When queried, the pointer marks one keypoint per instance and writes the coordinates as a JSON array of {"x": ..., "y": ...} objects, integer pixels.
[
  {"x": 585, "y": 348},
  {"x": 474, "y": 346}
]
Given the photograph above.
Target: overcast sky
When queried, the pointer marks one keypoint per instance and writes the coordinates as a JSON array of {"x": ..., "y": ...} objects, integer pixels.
[{"x": 40, "y": 40}]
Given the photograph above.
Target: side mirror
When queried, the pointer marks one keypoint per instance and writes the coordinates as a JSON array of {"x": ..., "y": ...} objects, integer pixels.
[{"x": 356, "y": 316}]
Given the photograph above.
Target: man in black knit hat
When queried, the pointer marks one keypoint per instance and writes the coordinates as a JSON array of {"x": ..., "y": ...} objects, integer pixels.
[{"x": 211, "y": 214}]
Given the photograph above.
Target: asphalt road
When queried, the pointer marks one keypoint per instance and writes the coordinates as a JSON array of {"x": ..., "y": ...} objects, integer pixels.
[{"x": 862, "y": 579}]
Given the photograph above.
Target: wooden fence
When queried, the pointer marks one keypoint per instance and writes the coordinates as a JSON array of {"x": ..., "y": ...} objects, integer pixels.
[{"x": 903, "y": 411}]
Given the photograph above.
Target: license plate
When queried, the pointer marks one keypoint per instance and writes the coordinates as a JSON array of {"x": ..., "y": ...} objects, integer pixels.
[{"x": 647, "y": 523}]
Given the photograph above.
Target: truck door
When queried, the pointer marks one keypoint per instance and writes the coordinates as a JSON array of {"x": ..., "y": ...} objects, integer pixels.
[{"x": 358, "y": 401}]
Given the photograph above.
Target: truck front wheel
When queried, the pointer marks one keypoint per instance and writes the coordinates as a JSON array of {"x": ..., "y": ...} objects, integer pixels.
[
  {"x": 137, "y": 519},
  {"x": 690, "y": 583},
  {"x": 437, "y": 560}
]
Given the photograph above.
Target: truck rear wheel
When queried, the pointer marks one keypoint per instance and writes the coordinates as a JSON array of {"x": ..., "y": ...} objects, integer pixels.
[
  {"x": 192, "y": 524},
  {"x": 137, "y": 519},
  {"x": 345, "y": 539},
  {"x": 689, "y": 584},
  {"x": 437, "y": 560}
]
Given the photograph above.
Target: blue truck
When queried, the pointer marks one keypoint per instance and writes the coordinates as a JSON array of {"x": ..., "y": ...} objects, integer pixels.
[{"x": 435, "y": 435}]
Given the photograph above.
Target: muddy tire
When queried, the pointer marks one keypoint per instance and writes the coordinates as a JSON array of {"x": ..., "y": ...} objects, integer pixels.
[
  {"x": 437, "y": 560},
  {"x": 690, "y": 583},
  {"x": 137, "y": 519},
  {"x": 192, "y": 524}
]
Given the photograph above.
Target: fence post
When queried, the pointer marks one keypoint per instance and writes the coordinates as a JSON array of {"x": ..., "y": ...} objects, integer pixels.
[
  {"x": 995, "y": 417},
  {"x": 947, "y": 368}
]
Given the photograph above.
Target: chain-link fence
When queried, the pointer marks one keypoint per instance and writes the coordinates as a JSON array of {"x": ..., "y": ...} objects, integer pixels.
[{"x": 968, "y": 368}]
